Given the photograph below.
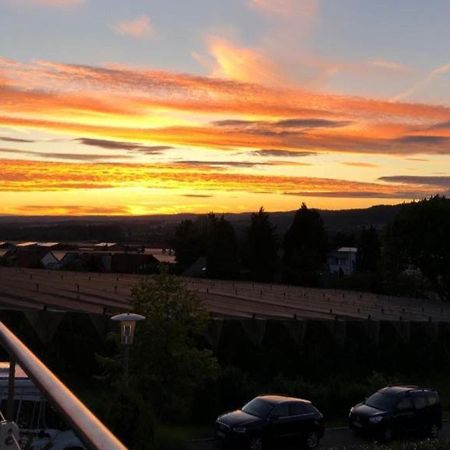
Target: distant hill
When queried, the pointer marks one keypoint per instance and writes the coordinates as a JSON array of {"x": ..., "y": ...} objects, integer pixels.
[
  {"x": 340, "y": 220},
  {"x": 158, "y": 228}
]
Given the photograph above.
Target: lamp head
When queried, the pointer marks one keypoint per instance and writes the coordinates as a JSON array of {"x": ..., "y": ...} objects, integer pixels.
[{"x": 127, "y": 326}]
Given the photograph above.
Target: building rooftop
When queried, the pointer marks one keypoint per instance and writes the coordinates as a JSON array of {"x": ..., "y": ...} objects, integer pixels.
[
  {"x": 4, "y": 370},
  {"x": 47, "y": 244},
  {"x": 26, "y": 244},
  {"x": 106, "y": 244}
]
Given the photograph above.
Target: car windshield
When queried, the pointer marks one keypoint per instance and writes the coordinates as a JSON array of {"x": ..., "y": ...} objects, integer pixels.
[
  {"x": 258, "y": 407},
  {"x": 381, "y": 401}
]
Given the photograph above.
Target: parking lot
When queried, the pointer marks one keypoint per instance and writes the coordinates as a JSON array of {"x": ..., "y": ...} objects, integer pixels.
[{"x": 340, "y": 437}]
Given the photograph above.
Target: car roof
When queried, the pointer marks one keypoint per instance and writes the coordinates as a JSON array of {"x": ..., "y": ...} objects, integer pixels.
[
  {"x": 276, "y": 399},
  {"x": 399, "y": 389}
]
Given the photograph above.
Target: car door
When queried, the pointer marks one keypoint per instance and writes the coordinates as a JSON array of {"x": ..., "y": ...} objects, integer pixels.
[
  {"x": 422, "y": 418},
  {"x": 404, "y": 415},
  {"x": 279, "y": 424},
  {"x": 302, "y": 419}
]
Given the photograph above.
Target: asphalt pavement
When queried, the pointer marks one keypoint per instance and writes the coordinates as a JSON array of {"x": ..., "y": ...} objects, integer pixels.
[{"x": 338, "y": 438}]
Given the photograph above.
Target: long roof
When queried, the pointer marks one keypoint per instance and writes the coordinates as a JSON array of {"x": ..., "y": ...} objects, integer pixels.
[{"x": 100, "y": 292}]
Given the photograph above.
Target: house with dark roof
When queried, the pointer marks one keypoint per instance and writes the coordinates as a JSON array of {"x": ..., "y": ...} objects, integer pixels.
[
  {"x": 50, "y": 261},
  {"x": 4, "y": 254},
  {"x": 133, "y": 263}
]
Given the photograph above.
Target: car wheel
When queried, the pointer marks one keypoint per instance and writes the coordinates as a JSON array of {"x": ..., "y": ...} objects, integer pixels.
[
  {"x": 434, "y": 431},
  {"x": 312, "y": 440},
  {"x": 255, "y": 443}
]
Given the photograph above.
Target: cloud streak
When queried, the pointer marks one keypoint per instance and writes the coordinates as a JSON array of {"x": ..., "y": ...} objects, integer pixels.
[
  {"x": 56, "y": 156},
  {"x": 441, "y": 181},
  {"x": 72, "y": 210},
  {"x": 119, "y": 145},
  {"x": 26, "y": 176},
  {"x": 139, "y": 28}
]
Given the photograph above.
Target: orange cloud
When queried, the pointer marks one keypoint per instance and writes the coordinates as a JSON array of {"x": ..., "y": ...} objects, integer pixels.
[
  {"x": 287, "y": 8},
  {"x": 361, "y": 164},
  {"x": 72, "y": 210},
  {"x": 27, "y": 176},
  {"x": 139, "y": 28},
  {"x": 243, "y": 64},
  {"x": 125, "y": 103}
]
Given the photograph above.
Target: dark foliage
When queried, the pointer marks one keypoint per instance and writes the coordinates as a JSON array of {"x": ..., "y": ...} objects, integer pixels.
[
  {"x": 419, "y": 237},
  {"x": 369, "y": 250},
  {"x": 305, "y": 247},
  {"x": 222, "y": 257},
  {"x": 188, "y": 243},
  {"x": 261, "y": 248}
]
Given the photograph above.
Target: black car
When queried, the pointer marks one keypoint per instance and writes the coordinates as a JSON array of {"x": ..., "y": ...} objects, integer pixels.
[
  {"x": 271, "y": 421},
  {"x": 398, "y": 410}
]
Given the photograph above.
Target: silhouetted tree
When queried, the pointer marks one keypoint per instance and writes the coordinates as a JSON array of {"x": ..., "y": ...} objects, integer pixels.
[
  {"x": 222, "y": 257},
  {"x": 420, "y": 236},
  {"x": 261, "y": 247},
  {"x": 305, "y": 247},
  {"x": 369, "y": 250},
  {"x": 167, "y": 361},
  {"x": 187, "y": 243},
  {"x": 342, "y": 239}
]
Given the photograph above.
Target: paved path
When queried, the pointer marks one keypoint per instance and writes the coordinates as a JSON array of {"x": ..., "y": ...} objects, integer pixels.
[{"x": 339, "y": 438}]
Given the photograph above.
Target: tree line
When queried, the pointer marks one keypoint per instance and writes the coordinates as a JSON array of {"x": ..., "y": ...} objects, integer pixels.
[{"x": 410, "y": 256}]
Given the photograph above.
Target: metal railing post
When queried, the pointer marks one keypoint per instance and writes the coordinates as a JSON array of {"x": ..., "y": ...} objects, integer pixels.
[
  {"x": 11, "y": 387},
  {"x": 88, "y": 428}
]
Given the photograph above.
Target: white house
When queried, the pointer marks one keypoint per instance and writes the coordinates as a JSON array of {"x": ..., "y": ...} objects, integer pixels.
[{"x": 342, "y": 261}]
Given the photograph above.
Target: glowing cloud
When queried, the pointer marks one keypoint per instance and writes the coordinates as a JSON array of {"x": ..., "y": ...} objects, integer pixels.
[
  {"x": 287, "y": 8},
  {"x": 243, "y": 64},
  {"x": 139, "y": 28},
  {"x": 25, "y": 176}
]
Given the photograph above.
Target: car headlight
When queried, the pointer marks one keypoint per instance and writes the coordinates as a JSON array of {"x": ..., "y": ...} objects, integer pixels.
[
  {"x": 239, "y": 429},
  {"x": 376, "y": 419}
]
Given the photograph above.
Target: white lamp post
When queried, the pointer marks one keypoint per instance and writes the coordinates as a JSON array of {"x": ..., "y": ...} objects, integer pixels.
[{"x": 127, "y": 329}]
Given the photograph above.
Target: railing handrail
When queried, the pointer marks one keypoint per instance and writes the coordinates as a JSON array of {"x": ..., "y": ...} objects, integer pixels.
[{"x": 89, "y": 429}]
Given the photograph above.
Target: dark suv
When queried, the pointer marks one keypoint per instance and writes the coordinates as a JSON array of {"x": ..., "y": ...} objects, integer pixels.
[
  {"x": 271, "y": 421},
  {"x": 398, "y": 410}
]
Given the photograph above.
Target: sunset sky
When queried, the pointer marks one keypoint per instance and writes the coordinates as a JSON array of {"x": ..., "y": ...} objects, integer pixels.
[{"x": 163, "y": 106}]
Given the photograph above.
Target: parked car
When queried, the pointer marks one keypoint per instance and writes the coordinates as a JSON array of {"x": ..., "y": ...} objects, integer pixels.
[
  {"x": 271, "y": 421},
  {"x": 398, "y": 410}
]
